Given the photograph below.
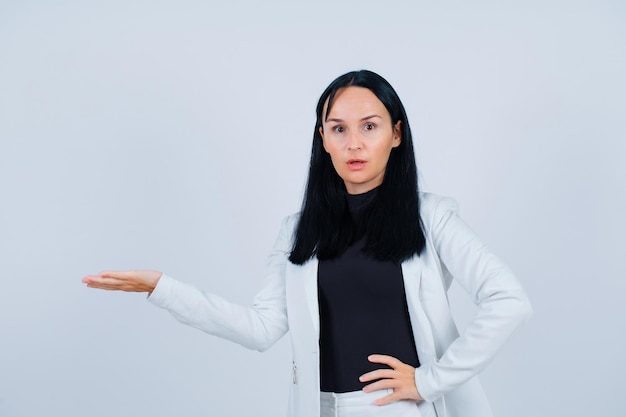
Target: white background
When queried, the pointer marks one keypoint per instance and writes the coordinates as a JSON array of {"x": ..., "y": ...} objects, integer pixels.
[{"x": 175, "y": 135}]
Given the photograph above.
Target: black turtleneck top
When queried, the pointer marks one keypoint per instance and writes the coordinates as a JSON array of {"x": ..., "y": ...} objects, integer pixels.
[{"x": 363, "y": 310}]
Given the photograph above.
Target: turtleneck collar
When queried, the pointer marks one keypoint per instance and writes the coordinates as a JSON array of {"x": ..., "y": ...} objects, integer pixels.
[{"x": 357, "y": 202}]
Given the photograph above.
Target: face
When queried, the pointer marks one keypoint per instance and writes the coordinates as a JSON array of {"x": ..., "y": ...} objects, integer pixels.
[{"x": 359, "y": 135}]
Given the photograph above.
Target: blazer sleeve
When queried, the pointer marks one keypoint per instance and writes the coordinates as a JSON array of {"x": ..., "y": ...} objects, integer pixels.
[
  {"x": 257, "y": 326},
  {"x": 501, "y": 300}
]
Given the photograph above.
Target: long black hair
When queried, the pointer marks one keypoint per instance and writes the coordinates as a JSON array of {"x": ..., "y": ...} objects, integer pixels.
[{"x": 391, "y": 222}]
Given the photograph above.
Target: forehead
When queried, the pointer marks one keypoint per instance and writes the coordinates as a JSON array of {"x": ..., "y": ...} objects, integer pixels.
[{"x": 355, "y": 102}]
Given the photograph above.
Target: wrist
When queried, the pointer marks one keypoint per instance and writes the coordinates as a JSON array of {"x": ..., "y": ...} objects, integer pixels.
[{"x": 153, "y": 281}]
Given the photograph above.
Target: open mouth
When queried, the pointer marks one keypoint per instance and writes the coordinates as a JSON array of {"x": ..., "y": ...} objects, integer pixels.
[{"x": 356, "y": 163}]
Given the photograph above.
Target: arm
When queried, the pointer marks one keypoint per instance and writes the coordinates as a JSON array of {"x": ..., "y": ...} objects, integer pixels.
[
  {"x": 502, "y": 303},
  {"x": 256, "y": 327}
]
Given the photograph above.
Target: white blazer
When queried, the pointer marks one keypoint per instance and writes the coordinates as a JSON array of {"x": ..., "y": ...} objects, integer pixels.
[{"x": 449, "y": 362}]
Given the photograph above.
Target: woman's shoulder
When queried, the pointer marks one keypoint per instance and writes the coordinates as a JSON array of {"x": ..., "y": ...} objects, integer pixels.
[
  {"x": 288, "y": 226},
  {"x": 431, "y": 201},
  {"x": 291, "y": 220},
  {"x": 433, "y": 207}
]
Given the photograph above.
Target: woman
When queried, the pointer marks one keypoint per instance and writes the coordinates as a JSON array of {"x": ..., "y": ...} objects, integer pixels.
[{"x": 360, "y": 276}]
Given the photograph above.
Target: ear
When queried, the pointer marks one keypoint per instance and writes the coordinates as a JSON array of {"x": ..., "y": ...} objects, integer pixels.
[
  {"x": 397, "y": 134},
  {"x": 321, "y": 130}
]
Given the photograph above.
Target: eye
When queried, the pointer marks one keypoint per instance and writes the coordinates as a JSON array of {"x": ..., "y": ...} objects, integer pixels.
[
  {"x": 369, "y": 126},
  {"x": 339, "y": 129}
]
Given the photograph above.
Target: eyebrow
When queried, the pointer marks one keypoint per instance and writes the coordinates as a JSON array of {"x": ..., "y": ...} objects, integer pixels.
[{"x": 333, "y": 119}]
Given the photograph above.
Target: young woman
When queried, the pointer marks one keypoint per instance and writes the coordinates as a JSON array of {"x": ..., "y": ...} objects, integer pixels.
[{"x": 360, "y": 277}]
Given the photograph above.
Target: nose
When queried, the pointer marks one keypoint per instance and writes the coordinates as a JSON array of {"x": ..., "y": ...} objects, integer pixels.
[{"x": 354, "y": 142}]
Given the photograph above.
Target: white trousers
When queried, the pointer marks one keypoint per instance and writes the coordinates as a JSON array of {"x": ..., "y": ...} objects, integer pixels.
[{"x": 361, "y": 404}]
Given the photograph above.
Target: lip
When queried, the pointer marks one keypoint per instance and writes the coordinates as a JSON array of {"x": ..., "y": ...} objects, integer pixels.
[{"x": 356, "y": 164}]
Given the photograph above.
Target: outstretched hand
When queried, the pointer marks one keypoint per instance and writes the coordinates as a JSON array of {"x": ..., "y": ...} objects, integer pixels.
[
  {"x": 401, "y": 379},
  {"x": 131, "y": 281}
]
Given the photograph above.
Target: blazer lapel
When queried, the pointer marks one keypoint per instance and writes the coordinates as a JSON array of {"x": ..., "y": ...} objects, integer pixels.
[
  {"x": 309, "y": 275},
  {"x": 412, "y": 271}
]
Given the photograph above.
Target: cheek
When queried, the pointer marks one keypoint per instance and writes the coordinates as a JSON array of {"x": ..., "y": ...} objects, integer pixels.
[
  {"x": 383, "y": 151},
  {"x": 335, "y": 157},
  {"x": 330, "y": 146},
  {"x": 331, "y": 149}
]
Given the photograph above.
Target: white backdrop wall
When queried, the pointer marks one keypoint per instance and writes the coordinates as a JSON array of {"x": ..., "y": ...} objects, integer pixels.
[{"x": 176, "y": 135}]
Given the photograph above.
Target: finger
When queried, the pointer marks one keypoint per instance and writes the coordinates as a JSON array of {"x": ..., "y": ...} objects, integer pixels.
[
  {"x": 385, "y": 359},
  {"x": 387, "y": 399},
  {"x": 118, "y": 274},
  {"x": 105, "y": 283},
  {"x": 86, "y": 279},
  {"x": 104, "y": 287},
  {"x": 382, "y": 384},
  {"x": 378, "y": 374},
  {"x": 90, "y": 279},
  {"x": 110, "y": 285},
  {"x": 99, "y": 278}
]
